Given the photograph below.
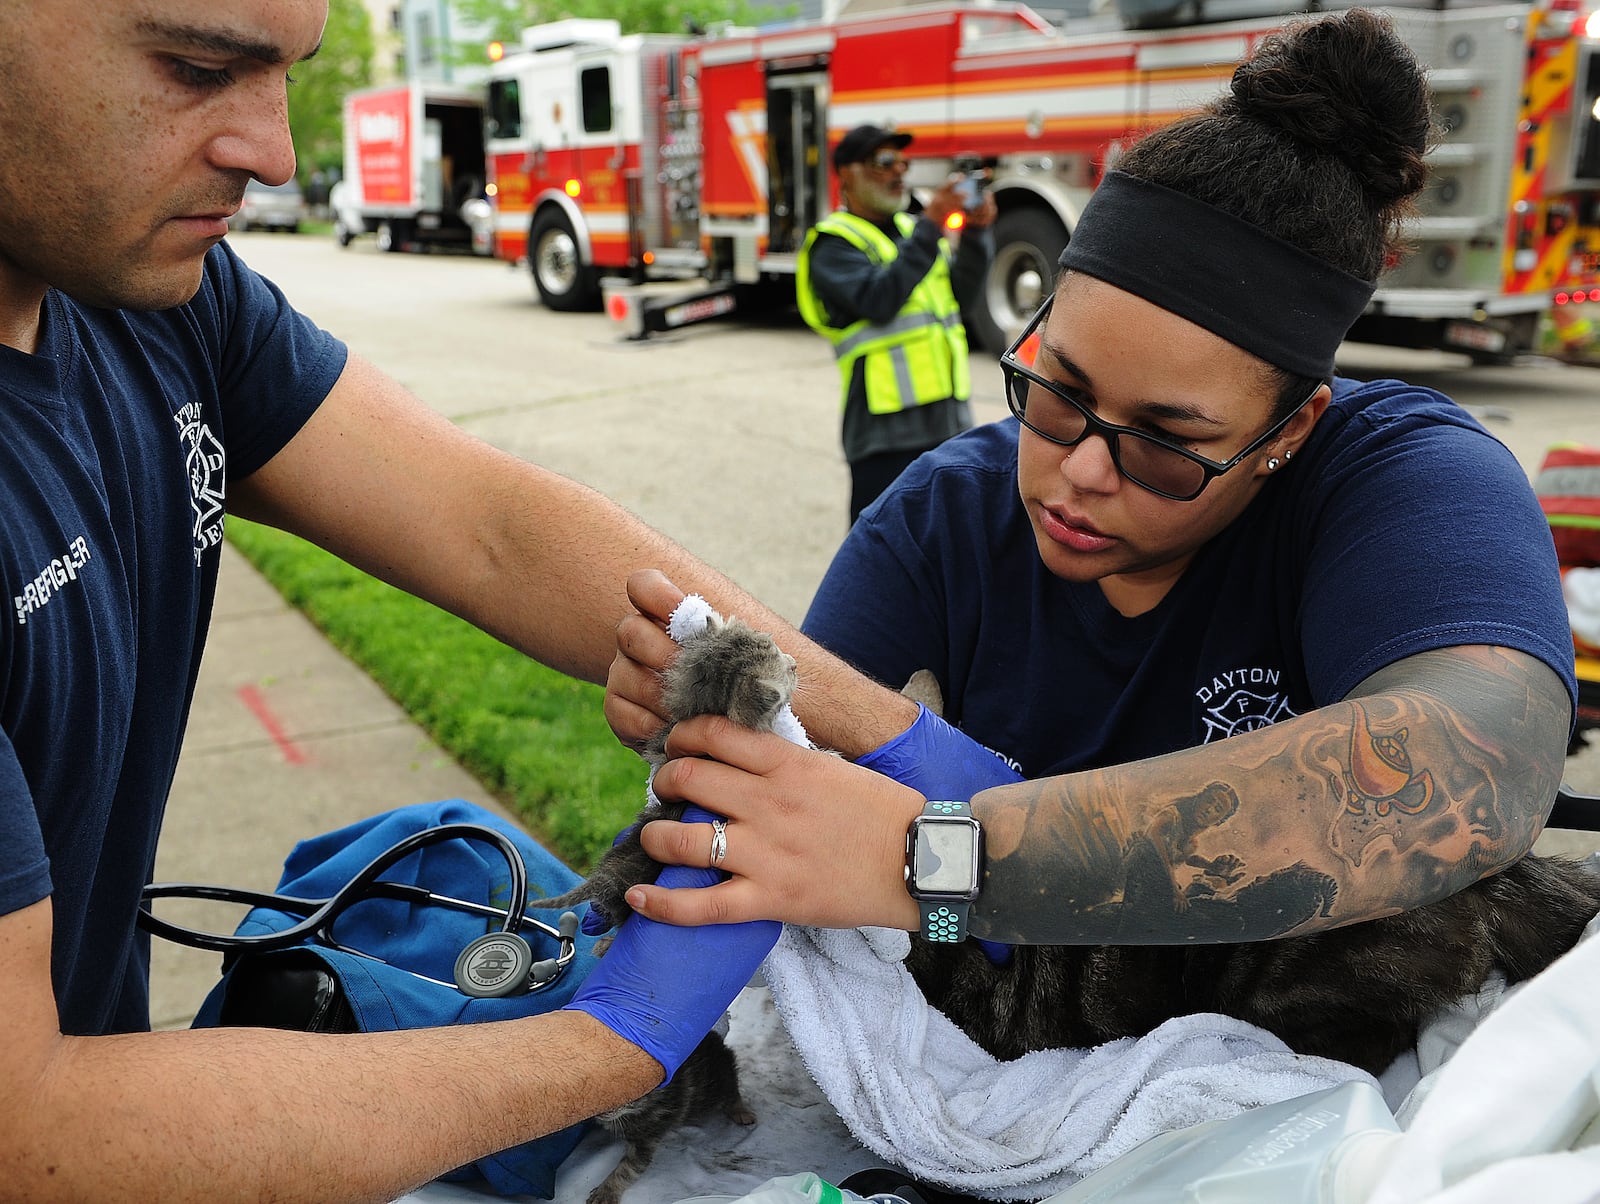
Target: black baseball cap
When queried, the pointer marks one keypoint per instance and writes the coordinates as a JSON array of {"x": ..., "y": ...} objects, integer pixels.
[{"x": 857, "y": 146}]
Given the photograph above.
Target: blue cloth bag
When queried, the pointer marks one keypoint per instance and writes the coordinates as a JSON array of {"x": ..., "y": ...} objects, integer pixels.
[{"x": 427, "y": 939}]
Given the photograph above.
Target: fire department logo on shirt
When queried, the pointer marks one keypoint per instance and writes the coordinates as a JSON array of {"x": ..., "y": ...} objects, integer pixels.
[
  {"x": 1241, "y": 700},
  {"x": 204, "y": 461}
]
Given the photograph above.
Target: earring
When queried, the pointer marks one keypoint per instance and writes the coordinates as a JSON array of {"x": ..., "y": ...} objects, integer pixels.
[{"x": 1272, "y": 464}]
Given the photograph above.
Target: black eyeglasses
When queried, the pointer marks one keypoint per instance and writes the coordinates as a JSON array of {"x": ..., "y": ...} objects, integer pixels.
[
  {"x": 1164, "y": 468},
  {"x": 888, "y": 160}
]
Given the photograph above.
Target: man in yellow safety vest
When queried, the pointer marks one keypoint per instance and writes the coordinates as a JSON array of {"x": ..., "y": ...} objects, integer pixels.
[{"x": 882, "y": 286}]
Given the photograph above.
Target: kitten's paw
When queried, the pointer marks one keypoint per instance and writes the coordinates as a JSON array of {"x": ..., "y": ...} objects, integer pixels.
[{"x": 740, "y": 1114}]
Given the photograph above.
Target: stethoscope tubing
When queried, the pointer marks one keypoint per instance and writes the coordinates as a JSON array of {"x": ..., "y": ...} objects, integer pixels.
[{"x": 319, "y": 915}]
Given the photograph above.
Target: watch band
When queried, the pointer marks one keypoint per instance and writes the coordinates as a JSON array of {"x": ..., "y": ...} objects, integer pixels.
[{"x": 944, "y": 921}]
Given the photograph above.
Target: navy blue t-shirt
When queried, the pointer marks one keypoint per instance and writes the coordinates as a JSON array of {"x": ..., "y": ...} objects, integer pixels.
[
  {"x": 1401, "y": 526},
  {"x": 116, "y": 445}
]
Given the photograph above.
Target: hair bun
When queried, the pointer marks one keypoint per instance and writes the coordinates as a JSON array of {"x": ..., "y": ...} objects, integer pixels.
[{"x": 1348, "y": 87}]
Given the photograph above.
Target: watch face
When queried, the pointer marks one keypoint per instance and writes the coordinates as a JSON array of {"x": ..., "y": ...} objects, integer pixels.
[{"x": 946, "y": 857}]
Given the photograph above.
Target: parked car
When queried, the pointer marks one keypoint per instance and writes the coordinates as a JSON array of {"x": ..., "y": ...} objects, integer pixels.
[{"x": 270, "y": 207}]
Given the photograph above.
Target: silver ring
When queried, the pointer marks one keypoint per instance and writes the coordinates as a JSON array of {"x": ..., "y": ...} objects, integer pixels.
[{"x": 719, "y": 841}]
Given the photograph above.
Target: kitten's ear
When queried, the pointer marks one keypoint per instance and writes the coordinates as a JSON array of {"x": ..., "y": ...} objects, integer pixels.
[
  {"x": 714, "y": 621},
  {"x": 924, "y": 687}
]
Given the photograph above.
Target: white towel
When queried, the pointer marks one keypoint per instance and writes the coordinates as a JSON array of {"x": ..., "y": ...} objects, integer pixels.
[
  {"x": 1499, "y": 1126},
  {"x": 1514, "y": 1112},
  {"x": 918, "y": 1091}
]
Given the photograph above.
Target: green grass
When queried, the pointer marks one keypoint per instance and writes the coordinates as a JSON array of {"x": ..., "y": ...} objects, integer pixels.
[{"x": 535, "y": 737}]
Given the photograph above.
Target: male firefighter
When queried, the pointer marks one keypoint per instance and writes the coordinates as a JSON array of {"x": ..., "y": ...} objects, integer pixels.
[{"x": 880, "y": 284}]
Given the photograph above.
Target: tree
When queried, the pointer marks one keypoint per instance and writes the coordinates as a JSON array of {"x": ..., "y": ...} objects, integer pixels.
[
  {"x": 505, "y": 19},
  {"x": 316, "y": 98}
]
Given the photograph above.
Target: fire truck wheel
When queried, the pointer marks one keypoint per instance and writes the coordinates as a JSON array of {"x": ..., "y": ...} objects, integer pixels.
[
  {"x": 393, "y": 236},
  {"x": 1027, "y": 243},
  {"x": 563, "y": 280}
]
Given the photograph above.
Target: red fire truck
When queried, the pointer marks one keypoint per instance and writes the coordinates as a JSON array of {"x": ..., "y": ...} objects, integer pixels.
[{"x": 704, "y": 159}]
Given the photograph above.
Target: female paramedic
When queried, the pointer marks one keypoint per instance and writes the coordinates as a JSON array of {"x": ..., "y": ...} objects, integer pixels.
[{"x": 1197, "y": 565}]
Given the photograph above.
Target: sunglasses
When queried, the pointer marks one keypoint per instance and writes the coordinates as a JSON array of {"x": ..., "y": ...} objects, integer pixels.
[
  {"x": 888, "y": 160},
  {"x": 1164, "y": 468}
]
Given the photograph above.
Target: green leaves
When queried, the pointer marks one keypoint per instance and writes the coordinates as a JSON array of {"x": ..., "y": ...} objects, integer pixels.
[
  {"x": 316, "y": 98},
  {"x": 505, "y": 19}
]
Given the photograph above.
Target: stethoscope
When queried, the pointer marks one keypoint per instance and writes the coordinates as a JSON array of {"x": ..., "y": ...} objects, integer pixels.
[{"x": 491, "y": 966}]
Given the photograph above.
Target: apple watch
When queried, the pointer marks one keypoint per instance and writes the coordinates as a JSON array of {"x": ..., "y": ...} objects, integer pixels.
[{"x": 944, "y": 867}]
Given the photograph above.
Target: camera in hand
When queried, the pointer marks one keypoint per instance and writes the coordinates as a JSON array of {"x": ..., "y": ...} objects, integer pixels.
[{"x": 974, "y": 178}]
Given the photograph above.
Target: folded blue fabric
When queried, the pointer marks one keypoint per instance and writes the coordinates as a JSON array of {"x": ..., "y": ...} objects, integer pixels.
[{"x": 427, "y": 940}]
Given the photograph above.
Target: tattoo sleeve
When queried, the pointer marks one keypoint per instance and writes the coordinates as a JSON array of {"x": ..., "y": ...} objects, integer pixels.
[{"x": 1435, "y": 772}]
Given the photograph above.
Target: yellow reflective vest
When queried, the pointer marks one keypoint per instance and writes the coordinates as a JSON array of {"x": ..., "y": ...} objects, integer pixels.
[{"x": 918, "y": 356}]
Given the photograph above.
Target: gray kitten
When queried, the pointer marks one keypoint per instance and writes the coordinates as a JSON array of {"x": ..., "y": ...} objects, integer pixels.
[{"x": 727, "y": 669}]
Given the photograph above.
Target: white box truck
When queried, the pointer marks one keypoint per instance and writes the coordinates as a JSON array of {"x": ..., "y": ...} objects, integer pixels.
[{"x": 413, "y": 168}]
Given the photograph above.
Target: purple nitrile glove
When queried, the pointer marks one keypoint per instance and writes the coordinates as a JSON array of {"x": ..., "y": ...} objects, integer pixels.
[
  {"x": 663, "y": 987},
  {"x": 942, "y": 763}
]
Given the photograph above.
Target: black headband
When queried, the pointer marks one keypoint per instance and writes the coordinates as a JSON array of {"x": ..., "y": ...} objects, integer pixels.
[{"x": 1260, "y": 293}]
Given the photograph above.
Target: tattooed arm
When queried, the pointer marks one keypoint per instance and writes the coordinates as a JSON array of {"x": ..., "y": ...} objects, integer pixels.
[{"x": 1436, "y": 771}]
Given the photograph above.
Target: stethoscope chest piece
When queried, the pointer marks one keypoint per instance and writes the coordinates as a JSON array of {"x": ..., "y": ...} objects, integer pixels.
[{"x": 494, "y": 965}]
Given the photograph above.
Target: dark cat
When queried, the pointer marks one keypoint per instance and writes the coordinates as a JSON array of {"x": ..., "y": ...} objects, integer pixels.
[
  {"x": 727, "y": 669},
  {"x": 1358, "y": 993}
]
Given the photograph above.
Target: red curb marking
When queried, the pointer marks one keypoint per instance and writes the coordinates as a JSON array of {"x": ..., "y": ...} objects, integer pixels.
[{"x": 251, "y": 697}]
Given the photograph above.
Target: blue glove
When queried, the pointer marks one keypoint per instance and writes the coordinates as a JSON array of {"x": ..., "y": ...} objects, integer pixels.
[
  {"x": 664, "y": 987},
  {"x": 940, "y": 762}
]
